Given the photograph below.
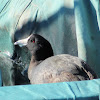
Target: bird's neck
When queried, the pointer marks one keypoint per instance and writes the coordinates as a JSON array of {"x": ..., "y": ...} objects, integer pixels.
[
  {"x": 33, "y": 64},
  {"x": 33, "y": 59}
]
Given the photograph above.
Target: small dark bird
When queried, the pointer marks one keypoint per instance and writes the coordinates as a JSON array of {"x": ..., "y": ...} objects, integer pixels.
[{"x": 46, "y": 68}]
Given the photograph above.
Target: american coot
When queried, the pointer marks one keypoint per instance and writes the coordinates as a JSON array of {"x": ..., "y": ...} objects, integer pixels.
[{"x": 46, "y": 68}]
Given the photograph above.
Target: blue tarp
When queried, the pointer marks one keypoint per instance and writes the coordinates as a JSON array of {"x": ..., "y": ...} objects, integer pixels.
[{"x": 82, "y": 90}]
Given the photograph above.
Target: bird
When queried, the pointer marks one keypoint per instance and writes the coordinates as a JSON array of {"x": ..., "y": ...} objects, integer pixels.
[{"x": 45, "y": 67}]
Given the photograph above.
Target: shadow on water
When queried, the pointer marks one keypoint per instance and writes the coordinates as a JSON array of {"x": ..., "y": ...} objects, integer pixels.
[{"x": 58, "y": 36}]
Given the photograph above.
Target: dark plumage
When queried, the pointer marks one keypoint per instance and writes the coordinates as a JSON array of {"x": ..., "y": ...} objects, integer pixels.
[
  {"x": 46, "y": 68},
  {"x": 39, "y": 47}
]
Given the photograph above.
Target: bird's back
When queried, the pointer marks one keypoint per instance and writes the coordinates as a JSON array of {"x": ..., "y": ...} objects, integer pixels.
[{"x": 61, "y": 68}]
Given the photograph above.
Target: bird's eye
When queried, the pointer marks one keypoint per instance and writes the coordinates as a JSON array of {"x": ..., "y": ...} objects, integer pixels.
[{"x": 33, "y": 41}]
